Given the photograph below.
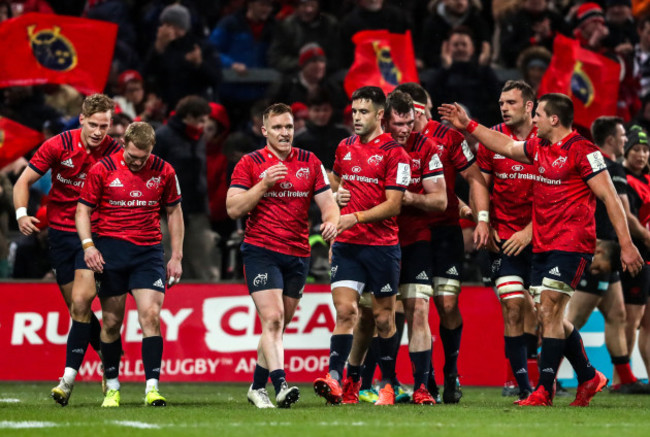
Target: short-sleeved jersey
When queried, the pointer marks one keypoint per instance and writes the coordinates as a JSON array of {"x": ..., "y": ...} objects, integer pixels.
[
  {"x": 413, "y": 222},
  {"x": 563, "y": 204},
  {"x": 279, "y": 221},
  {"x": 69, "y": 161},
  {"x": 367, "y": 171},
  {"x": 604, "y": 227},
  {"x": 638, "y": 192},
  {"x": 456, "y": 156},
  {"x": 128, "y": 203},
  {"x": 511, "y": 202}
]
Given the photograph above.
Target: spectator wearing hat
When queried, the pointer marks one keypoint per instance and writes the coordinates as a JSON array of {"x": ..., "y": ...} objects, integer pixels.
[
  {"x": 307, "y": 24},
  {"x": 181, "y": 143},
  {"x": 131, "y": 99},
  {"x": 179, "y": 64},
  {"x": 532, "y": 64},
  {"x": 242, "y": 40},
  {"x": 590, "y": 28},
  {"x": 311, "y": 78},
  {"x": 534, "y": 24},
  {"x": 321, "y": 134}
]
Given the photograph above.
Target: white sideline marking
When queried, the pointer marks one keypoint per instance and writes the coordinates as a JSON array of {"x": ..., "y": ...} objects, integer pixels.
[
  {"x": 10, "y": 400},
  {"x": 7, "y": 424},
  {"x": 134, "y": 424}
]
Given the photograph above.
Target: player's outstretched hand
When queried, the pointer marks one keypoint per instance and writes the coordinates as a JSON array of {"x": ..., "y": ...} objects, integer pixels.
[
  {"x": 174, "y": 272},
  {"x": 631, "y": 259},
  {"x": 94, "y": 259},
  {"x": 274, "y": 173},
  {"x": 454, "y": 114},
  {"x": 27, "y": 225},
  {"x": 328, "y": 231}
]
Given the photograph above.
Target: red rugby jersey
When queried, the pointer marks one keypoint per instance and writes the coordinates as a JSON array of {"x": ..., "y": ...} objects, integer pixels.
[
  {"x": 511, "y": 202},
  {"x": 367, "y": 171},
  {"x": 129, "y": 203},
  {"x": 69, "y": 161},
  {"x": 563, "y": 205},
  {"x": 456, "y": 156},
  {"x": 413, "y": 222},
  {"x": 279, "y": 221}
]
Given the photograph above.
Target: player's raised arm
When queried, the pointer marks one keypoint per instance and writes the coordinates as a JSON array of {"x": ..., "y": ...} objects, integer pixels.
[{"x": 493, "y": 140}]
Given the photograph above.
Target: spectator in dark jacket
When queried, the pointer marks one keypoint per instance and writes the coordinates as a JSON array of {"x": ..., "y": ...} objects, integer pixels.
[
  {"x": 179, "y": 64},
  {"x": 181, "y": 143},
  {"x": 311, "y": 78},
  {"x": 534, "y": 24},
  {"x": 321, "y": 135},
  {"x": 464, "y": 80},
  {"x": 448, "y": 14},
  {"x": 306, "y": 25}
]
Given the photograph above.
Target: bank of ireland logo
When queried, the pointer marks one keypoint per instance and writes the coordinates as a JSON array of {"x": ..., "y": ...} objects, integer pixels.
[
  {"x": 286, "y": 185},
  {"x": 154, "y": 183},
  {"x": 356, "y": 169},
  {"x": 261, "y": 279},
  {"x": 389, "y": 71},
  {"x": 52, "y": 49},
  {"x": 581, "y": 85}
]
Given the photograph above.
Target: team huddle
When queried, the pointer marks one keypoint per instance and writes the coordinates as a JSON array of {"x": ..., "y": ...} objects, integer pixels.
[{"x": 389, "y": 210}]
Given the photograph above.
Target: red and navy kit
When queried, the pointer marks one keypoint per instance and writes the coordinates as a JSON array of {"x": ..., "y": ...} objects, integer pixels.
[
  {"x": 512, "y": 192},
  {"x": 564, "y": 205},
  {"x": 367, "y": 171},
  {"x": 129, "y": 203},
  {"x": 279, "y": 221},
  {"x": 413, "y": 222},
  {"x": 70, "y": 162},
  {"x": 456, "y": 156}
]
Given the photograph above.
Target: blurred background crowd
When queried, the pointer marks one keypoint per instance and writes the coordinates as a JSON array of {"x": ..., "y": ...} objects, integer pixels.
[{"x": 202, "y": 71}]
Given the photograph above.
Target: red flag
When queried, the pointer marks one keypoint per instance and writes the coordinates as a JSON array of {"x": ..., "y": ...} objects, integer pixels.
[
  {"x": 16, "y": 140},
  {"x": 48, "y": 48},
  {"x": 381, "y": 59},
  {"x": 590, "y": 79}
]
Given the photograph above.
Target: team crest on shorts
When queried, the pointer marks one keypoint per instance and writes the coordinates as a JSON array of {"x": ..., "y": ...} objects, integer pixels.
[{"x": 261, "y": 279}]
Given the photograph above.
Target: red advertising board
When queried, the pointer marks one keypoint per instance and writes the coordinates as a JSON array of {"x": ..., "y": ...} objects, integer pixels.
[{"x": 211, "y": 331}]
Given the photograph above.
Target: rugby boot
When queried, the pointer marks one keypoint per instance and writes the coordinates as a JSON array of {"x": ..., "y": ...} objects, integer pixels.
[
  {"x": 329, "y": 388},
  {"x": 632, "y": 388},
  {"x": 61, "y": 393},
  {"x": 588, "y": 389},
  {"x": 421, "y": 396},
  {"x": 112, "y": 399},
  {"x": 452, "y": 392},
  {"x": 386, "y": 396},
  {"x": 155, "y": 399},
  {"x": 259, "y": 397},
  {"x": 539, "y": 398},
  {"x": 402, "y": 396},
  {"x": 370, "y": 395},
  {"x": 351, "y": 391},
  {"x": 287, "y": 396}
]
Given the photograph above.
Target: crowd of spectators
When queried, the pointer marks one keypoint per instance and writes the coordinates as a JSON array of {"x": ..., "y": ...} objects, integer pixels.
[{"x": 202, "y": 71}]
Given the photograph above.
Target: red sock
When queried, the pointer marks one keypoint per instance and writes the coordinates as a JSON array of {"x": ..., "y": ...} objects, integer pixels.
[{"x": 625, "y": 373}]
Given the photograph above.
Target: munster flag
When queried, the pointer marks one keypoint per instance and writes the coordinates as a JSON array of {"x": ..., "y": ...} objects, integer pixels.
[
  {"x": 16, "y": 140},
  {"x": 48, "y": 48},
  {"x": 590, "y": 79},
  {"x": 381, "y": 59}
]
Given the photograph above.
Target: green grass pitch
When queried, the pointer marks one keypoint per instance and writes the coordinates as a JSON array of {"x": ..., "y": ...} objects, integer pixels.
[{"x": 222, "y": 410}]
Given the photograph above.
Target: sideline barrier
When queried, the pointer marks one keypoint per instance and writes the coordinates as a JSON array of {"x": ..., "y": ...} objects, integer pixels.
[{"x": 211, "y": 331}]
